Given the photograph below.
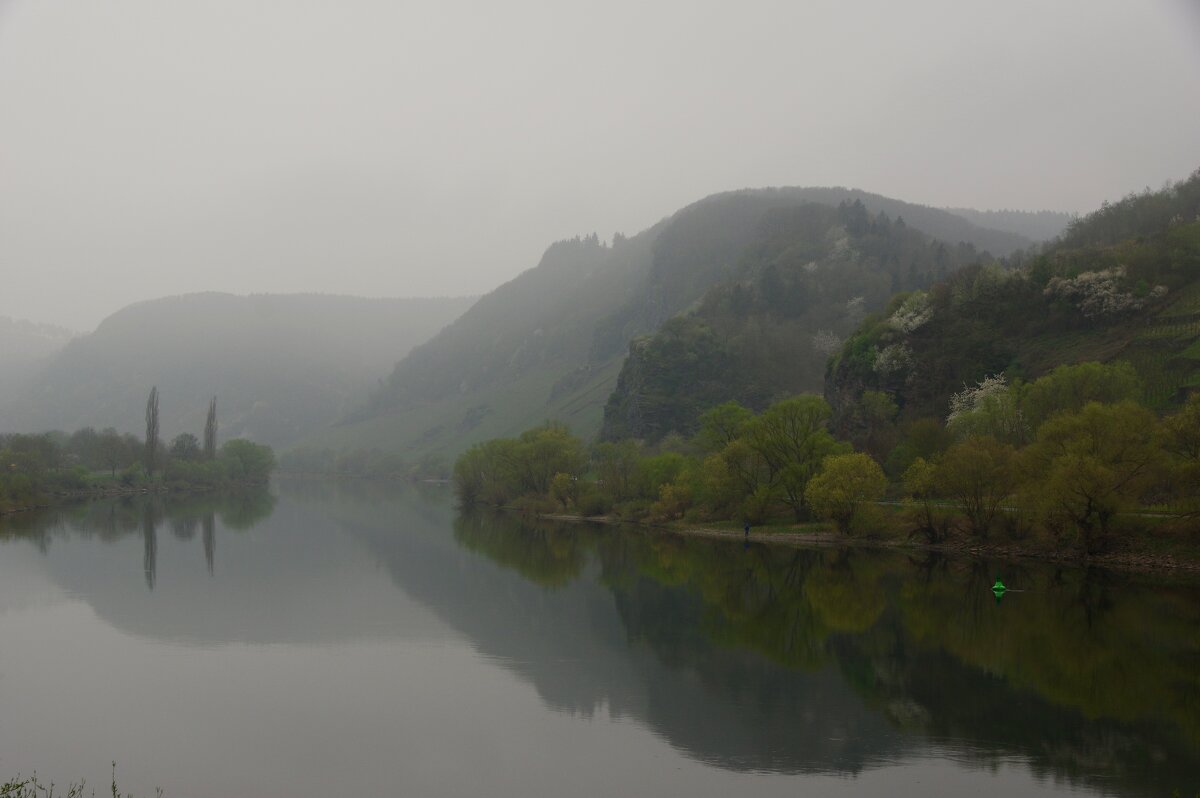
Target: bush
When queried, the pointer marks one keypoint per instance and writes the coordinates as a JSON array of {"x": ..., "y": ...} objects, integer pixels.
[
  {"x": 845, "y": 488},
  {"x": 133, "y": 476},
  {"x": 246, "y": 461},
  {"x": 592, "y": 502}
]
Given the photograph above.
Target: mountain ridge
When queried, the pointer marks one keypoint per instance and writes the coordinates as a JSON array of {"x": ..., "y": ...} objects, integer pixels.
[
  {"x": 280, "y": 364},
  {"x": 550, "y": 342}
]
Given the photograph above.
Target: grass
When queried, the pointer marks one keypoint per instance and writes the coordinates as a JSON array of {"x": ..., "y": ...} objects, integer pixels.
[{"x": 32, "y": 787}]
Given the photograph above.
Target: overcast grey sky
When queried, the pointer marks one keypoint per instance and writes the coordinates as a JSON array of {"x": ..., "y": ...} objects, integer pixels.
[{"x": 153, "y": 147}]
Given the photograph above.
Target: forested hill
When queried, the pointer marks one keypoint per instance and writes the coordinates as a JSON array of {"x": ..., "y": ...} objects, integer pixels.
[
  {"x": 1122, "y": 284},
  {"x": 549, "y": 343},
  {"x": 280, "y": 365},
  {"x": 1035, "y": 225},
  {"x": 765, "y": 333}
]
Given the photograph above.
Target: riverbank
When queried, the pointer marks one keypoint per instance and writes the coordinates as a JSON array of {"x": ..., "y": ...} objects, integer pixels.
[
  {"x": 60, "y": 498},
  {"x": 1159, "y": 553}
]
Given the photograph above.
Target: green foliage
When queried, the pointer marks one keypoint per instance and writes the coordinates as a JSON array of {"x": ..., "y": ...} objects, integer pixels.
[
  {"x": 245, "y": 461},
  {"x": 503, "y": 470},
  {"x": 763, "y": 468},
  {"x": 1087, "y": 467},
  {"x": 1137, "y": 215},
  {"x": 979, "y": 473},
  {"x": 723, "y": 424},
  {"x": 185, "y": 446},
  {"x": 616, "y": 467},
  {"x": 844, "y": 485},
  {"x": 1069, "y": 387},
  {"x": 1121, "y": 285},
  {"x": 791, "y": 440},
  {"x": 564, "y": 488},
  {"x": 766, "y": 331},
  {"x": 920, "y": 483},
  {"x": 34, "y": 468},
  {"x": 924, "y": 438}
]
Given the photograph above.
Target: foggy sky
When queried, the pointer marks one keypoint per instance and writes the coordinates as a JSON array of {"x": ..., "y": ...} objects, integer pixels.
[{"x": 380, "y": 147}]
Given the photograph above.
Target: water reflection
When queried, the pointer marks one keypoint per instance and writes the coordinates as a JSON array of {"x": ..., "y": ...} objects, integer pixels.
[
  {"x": 750, "y": 658},
  {"x": 1085, "y": 674}
]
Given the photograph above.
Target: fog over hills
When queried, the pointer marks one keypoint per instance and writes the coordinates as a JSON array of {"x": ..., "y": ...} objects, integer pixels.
[
  {"x": 280, "y": 365},
  {"x": 1035, "y": 225},
  {"x": 549, "y": 343},
  {"x": 24, "y": 347}
]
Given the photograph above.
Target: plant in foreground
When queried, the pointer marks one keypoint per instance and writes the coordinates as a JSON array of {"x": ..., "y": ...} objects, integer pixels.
[{"x": 33, "y": 788}]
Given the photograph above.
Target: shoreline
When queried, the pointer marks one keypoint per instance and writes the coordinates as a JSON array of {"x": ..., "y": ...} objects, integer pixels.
[
  {"x": 1131, "y": 561},
  {"x": 60, "y": 499}
]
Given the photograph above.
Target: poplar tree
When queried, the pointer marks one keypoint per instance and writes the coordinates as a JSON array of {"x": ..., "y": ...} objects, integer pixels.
[
  {"x": 210, "y": 431},
  {"x": 152, "y": 431}
]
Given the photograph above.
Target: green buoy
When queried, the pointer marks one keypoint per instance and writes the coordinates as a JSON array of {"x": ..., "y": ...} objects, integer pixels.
[{"x": 998, "y": 589}]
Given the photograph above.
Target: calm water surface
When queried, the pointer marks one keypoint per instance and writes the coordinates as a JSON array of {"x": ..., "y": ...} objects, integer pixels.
[{"x": 367, "y": 641}]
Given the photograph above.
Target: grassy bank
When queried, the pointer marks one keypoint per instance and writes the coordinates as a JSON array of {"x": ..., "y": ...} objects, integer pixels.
[{"x": 1159, "y": 548}]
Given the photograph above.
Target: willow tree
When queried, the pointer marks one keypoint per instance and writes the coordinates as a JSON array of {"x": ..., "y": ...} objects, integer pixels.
[
  {"x": 152, "y": 431},
  {"x": 210, "y": 431}
]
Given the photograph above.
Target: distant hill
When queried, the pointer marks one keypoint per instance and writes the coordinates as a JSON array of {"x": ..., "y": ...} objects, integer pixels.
[
  {"x": 280, "y": 365},
  {"x": 27, "y": 341},
  {"x": 550, "y": 343},
  {"x": 24, "y": 346},
  {"x": 1122, "y": 283},
  {"x": 1034, "y": 225}
]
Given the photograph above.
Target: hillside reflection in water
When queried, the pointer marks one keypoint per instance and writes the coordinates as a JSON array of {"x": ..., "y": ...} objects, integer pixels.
[{"x": 761, "y": 669}]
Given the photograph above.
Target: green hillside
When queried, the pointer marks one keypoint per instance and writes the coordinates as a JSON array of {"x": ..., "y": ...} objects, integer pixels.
[
  {"x": 549, "y": 344},
  {"x": 280, "y": 365},
  {"x": 765, "y": 333},
  {"x": 1121, "y": 284}
]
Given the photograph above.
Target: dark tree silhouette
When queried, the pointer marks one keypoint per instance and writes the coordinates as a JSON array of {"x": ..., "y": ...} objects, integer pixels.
[
  {"x": 152, "y": 431},
  {"x": 210, "y": 431}
]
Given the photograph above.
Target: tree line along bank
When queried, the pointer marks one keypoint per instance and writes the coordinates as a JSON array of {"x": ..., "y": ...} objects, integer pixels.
[
  {"x": 1073, "y": 458},
  {"x": 34, "y": 468}
]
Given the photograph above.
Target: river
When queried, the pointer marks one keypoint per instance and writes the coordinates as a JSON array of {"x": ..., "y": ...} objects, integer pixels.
[{"x": 359, "y": 639}]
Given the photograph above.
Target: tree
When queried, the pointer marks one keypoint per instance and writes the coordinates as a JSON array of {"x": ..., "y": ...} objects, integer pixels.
[
  {"x": 151, "y": 456},
  {"x": 247, "y": 461},
  {"x": 723, "y": 424},
  {"x": 791, "y": 438},
  {"x": 924, "y": 438},
  {"x": 920, "y": 483},
  {"x": 844, "y": 484},
  {"x": 1068, "y": 388},
  {"x": 185, "y": 447},
  {"x": 114, "y": 453},
  {"x": 543, "y": 452},
  {"x": 503, "y": 469},
  {"x": 997, "y": 415},
  {"x": 1181, "y": 438},
  {"x": 1182, "y": 431},
  {"x": 1087, "y": 467},
  {"x": 877, "y": 412},
  {"x": 564, "y": 489},
  {"x": 979, "y": 473},
  {"x": 210, "y": 431},
  {"x": 616, "y": 467}
]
